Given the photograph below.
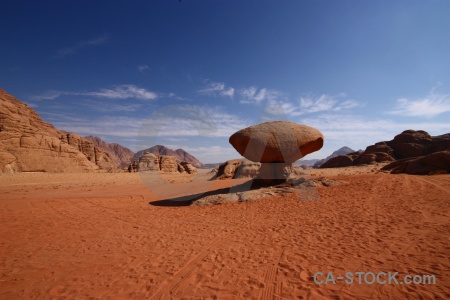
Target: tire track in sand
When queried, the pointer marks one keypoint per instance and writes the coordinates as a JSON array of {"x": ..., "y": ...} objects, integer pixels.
[
  {"x": 172, "y": 286},
  {"x": 272, "y": 286},
  {"x": 435, "y": 182}
]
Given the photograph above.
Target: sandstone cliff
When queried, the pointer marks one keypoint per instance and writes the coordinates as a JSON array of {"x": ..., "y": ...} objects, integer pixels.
[
  {"x": 122, "y": 156},
  {"x": 28, "y": 144}
]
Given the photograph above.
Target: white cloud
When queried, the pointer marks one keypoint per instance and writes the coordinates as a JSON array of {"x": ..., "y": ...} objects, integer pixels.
[
  {"x": 322, "y": 103},
  {"x": 310, "y": 105},
  {"x": 433, "y": 104},
  {"x": 110, "y": 107},
  {"x": 123, "y": 91},
  {"x": 217, "y": 88},
  {"x": 62, "y": 53},
  {"x": 176, "y": 121},
  {"x": 142, "y": 68},
  {"x": 253, "y": 95}
]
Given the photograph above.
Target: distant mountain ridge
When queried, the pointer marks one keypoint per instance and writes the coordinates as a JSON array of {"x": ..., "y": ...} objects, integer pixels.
[
  {"x": 179, "y": 154},
  {"x": 121, "y": 155}
]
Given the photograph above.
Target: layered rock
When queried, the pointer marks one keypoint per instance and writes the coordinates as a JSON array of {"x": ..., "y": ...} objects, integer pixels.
[
  {"x": 167, "y": 164},
  {"x": 148, "y": 162},
  {"x": 27, "y": 144},
  {"x": 187, "y": 167}
]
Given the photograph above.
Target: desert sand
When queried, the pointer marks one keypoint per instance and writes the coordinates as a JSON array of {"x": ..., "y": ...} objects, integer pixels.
[{"x": 111, "y": 236}]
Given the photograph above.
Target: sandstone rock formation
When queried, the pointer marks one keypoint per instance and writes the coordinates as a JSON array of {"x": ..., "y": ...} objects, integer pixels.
[
  {"x": 276, "y": 145},
  {"x": 122, "y": 156},
  {"x": 148, "y": 162},
  {"x": 434, "y": 163},
  {"x": 167, "y": 164},
  {"x": 276, "y": 142},
  {"x": 27, "y": 143},
  {"x": 163, "y": 163},
  {"x": 341, "y": 151},
  {"x": 237, "y": 168},
  {"x": 408, "y": 144},
  {"x": 187, "y": 167},
  {"x": 180, "y": 155}
]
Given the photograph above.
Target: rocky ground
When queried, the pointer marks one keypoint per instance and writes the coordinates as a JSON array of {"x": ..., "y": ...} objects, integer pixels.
[{"x": 131, "y": 235}]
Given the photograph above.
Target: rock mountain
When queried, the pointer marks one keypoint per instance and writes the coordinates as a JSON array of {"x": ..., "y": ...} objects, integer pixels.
[
  {"x": 28, "y": 144},
  {"x": 122, "y": 156}
]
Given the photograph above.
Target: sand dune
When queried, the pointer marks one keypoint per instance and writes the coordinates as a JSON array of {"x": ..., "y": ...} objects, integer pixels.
[{"x": 104, "y": 236}]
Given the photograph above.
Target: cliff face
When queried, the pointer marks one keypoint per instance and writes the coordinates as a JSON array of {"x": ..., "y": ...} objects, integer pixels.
[
  {"x": 122, "y": 156},
  {"x": 28, "y": 144}
]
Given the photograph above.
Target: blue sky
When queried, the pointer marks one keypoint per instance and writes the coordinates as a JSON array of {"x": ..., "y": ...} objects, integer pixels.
[{"x": 189, "y": 74}]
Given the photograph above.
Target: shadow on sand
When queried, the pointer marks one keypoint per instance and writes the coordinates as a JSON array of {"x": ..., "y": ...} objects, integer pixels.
[{"x": 188, "y": 199}]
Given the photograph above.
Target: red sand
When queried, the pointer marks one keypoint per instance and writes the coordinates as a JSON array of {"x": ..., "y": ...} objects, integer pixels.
[{"x": 100, "y": 236}]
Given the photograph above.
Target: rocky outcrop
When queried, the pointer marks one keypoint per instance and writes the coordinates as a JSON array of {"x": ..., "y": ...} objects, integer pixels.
[
  {"x": 227, "y": 170},
  {"x": 276, "y": 145},
  {"x": 167, "y": 164},
  {"x": 163, "y": 163},
  {"x": 180, "y": 155},
  {"x": 276, "y": 142},
  {"x": 341, "y": 151},
  {"x": 121, "y": 156},
  {"x": 435, "y": 163},
  {"x": 187, "y": 167},
  {"x": 28, "y": 144},
  {"x": 340, "y": 161},
  {"x": 148, "y": 162},
  {"x": 405, "y": 146}
]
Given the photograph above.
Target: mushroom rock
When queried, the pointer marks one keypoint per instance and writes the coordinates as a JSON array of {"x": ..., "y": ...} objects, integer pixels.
[{"x": 276, "y": 145}]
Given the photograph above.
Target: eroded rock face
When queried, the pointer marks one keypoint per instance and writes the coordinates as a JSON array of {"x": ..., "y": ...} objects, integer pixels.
[
  {"x": 227, "y": 170},
  {"x": 276, "y": 142},
  {"x": 27, "y": 143},
  {"x": 121, "y": 156},
  {"x": 187, "y": 167},
  {"x": 148, "y": 162},
  {"x": 168, "y": 164},
  {"x": 247, "y": 168}
]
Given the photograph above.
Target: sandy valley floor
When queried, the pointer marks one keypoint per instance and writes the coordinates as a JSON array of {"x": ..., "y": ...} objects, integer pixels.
[{"x": 111, "y": 236}]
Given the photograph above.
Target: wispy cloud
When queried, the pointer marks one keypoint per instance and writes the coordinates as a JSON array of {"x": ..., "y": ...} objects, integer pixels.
[
  {"x": 431, "y": 105},
  {"x": 217, "y": 88},
  {"x": 142, "y": 68},
  {"x": 176, "y": 121},
  {"x": 71, "y": 50},
  {"x": 124, "y": 91},
  {"x": 255, "y": 95},
  {"x": 110, "y": 107},
  {"x": 310, "y": 104}
]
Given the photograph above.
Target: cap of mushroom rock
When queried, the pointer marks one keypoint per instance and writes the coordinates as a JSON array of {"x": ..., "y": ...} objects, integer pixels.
[{"x": 276, "y": 142}]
